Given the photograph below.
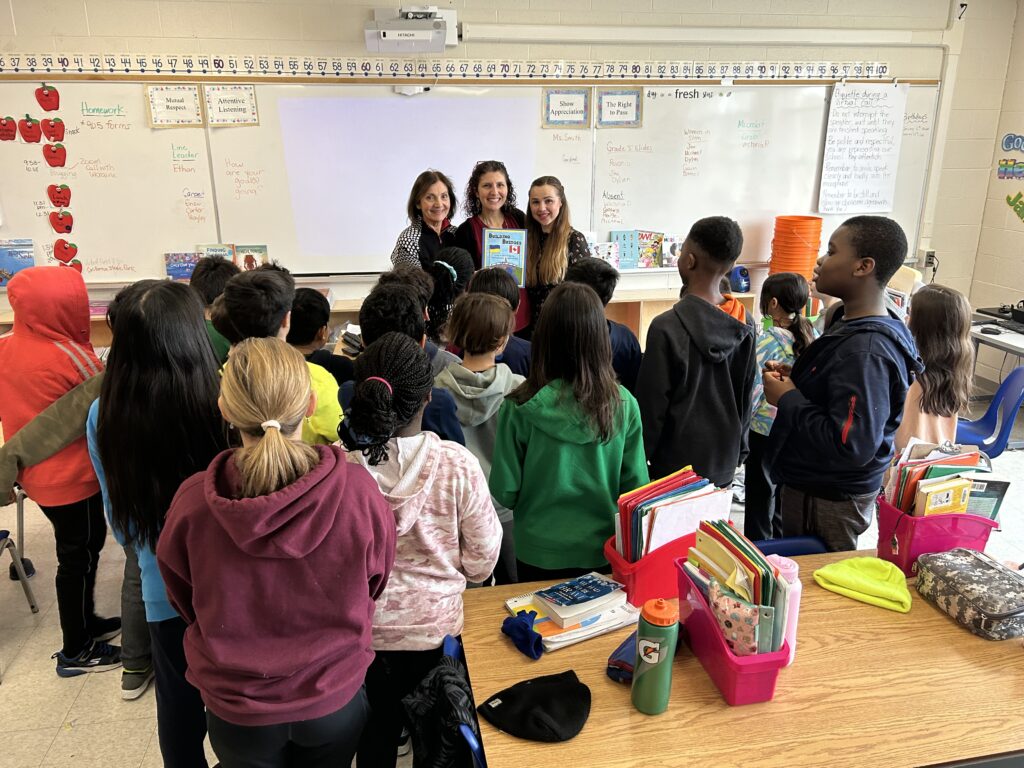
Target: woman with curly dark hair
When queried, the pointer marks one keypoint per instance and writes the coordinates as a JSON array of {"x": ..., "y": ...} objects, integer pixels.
[{"x": 490, "y": 203}]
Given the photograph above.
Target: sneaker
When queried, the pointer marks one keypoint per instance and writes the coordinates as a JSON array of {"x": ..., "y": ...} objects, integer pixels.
[
  {"x": 99, "y": 657},
  {"x": 404, "y": 743},
  {"x": 105, "y": 629},
  {"x": 134, "y": 684}
]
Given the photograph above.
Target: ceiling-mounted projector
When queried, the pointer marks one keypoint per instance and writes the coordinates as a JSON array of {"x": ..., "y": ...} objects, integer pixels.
[{"x": 410, "y": 30}]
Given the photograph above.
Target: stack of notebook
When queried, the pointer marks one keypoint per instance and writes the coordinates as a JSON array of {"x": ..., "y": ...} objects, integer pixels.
[
  {"x": 749, "y": 600},
  {"x": 665, "y": 510},
  {"x": 929, "y": 479}
]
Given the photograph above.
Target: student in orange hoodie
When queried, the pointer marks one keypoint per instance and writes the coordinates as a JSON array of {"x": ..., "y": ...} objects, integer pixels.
[{"x": 46, "y": 355}]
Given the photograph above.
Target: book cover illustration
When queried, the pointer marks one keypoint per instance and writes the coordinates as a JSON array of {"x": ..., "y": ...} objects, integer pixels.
[
  {"x": 506, "y": 248},
  {"x": 224, "y": 250},
  {"x": 248, "y": 257},
  {"x": 650, "y": 248},
  {"x": 606, "y": 252},
  {"x": 671, "y": 250},
  {"x": 179, "y": 266},
  {"x": 629, "y": 247},
  {"x": 15, "y": 255}
]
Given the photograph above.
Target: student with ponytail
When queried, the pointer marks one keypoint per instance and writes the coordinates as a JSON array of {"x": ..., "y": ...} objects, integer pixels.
[
  {"x": 305, "y": 543},
  {"x": 448, "y": 531},
  {"x": 783, "y": 299},
  {"x": 451, "y": 271}
]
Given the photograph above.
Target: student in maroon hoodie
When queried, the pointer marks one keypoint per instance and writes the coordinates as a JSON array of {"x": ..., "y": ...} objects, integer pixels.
[
  {"x": 47, "y": 355},
  {"x": 275, "y": 556}
]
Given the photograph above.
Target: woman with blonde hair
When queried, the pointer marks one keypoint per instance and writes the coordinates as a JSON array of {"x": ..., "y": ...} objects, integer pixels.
[
  {"x": 551, "y": 244},
  {"x": 275, "y": 556}
]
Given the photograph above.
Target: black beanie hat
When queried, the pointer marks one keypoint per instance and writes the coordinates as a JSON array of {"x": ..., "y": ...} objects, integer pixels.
[{"x": 549, "y": 708}]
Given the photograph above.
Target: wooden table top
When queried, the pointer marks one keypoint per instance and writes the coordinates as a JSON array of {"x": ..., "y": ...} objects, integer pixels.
[{"x": 869, "y": 687}]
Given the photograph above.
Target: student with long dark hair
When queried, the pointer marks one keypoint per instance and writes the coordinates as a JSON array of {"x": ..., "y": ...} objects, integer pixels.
[
  {"x": 490, "y": 203},
  {"x": 155, "y": 424},
  {"x": 274, "y": 555},
  {"x": 783, "y": 298},
  {"x": 570, "y": 413},
  {"x": 448, "y": 531}
]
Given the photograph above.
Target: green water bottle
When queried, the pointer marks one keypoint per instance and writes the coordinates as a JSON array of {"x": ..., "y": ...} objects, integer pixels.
[{"x": 656, "y": 637}]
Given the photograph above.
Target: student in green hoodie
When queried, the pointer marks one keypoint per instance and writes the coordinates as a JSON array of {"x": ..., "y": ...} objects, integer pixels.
[
  {"x": 481, "y": 325},
  {"x": 569, "y": 442}
]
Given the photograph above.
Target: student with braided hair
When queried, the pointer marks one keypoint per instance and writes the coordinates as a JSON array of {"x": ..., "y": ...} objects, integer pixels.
[
  {"x": 305, "y": 543},
  {"x": 448, "y": 531}
]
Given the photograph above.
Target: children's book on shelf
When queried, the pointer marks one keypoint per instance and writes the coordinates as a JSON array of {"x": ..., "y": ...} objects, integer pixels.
[
  {"x": 671, "y": 247},
  {"x": 629, "y": 247},
  {"x": 506, "y": 249},
  {"x": 179, "y": 266},
  {"x": 554, "y": 636},
  {"x": 15, "y": 255},
  {"x": 606, "y": 252},
  {"x": 224, "y": 250},
  {"x": 578, "y": 599},
  {"x": 650, "y": 248},
  {"x": 248, "y": 257}
]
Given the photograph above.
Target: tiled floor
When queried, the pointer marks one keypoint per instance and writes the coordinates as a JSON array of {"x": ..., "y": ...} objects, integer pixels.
[{"x": 82, "y": 722}]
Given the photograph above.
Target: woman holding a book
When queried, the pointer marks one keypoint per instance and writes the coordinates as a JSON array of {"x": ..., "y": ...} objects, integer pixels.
[{"x": 490, "y": 204}]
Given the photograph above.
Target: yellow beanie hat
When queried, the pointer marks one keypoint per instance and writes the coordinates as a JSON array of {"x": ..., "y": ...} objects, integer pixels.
[{"x": 868, "y": 579}]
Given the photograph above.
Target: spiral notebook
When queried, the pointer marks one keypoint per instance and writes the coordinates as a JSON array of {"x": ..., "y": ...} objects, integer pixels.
[{"x": 555, "y": 637}]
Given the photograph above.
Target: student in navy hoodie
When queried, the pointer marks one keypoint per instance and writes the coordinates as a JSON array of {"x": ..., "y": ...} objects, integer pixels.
[
  {"x": 393, "y": 307},
  {"x": 304, "y": 543},
  {"x": 603, "y": 277},
  {"x": 497, "y": 281},
  {"x": 841, "y": 403}
]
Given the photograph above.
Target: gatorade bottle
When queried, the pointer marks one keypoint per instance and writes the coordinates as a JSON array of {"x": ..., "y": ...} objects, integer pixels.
[{"x": 656, "y": 637}]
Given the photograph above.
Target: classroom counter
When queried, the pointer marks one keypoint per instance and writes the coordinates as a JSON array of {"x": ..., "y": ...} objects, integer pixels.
[{"x": 869, "y": 687}]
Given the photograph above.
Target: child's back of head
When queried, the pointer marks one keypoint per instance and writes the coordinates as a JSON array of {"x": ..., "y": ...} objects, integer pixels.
[
  {"x": 480, "y": 323},
  {"x": 392, "y": 307},
  {"x": 210, "y": 275},
  {"x": 451, "y": 271},
  {"x": 783, "y": 298},
  {"x": 414, "y": 277},
  {"x": 254, "y": 304},
  {"x": 496, "y": 281},
  {"x": 393, "y": 382},
  {"x": 597, "y": 273},
  {"x": 940, "y": 321},
  {"x": 719, "y": 239},
  {"x": 571, "y": 344},
  {"x": 311, "y": 313}
]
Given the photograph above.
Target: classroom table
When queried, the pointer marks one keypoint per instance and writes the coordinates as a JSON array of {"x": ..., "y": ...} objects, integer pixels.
[
  {"x": 869, "y": 687},
  {"x": 1004, "y": 341}
]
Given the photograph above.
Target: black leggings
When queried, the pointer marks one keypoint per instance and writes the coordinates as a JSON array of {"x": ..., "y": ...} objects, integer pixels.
[
  {"x": 329, "y": 741},
  {"x": 180, "y": 720},
  {"x": 80, "y": 530}
]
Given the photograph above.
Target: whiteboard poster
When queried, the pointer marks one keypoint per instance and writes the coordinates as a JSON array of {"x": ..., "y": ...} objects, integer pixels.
[
  {"x": 231, "y": 105},
  {"x": 174, "y": 106},
  {"x": 862, "y": 148},
  {"x": 620, "y": 107},
  {"x": 566, "y": 108}
]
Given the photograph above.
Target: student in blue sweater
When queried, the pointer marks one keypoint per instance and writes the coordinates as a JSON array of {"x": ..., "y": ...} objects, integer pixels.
[
  {"x": 155, "y": 424},
  {"x": 840, "y": 404}
]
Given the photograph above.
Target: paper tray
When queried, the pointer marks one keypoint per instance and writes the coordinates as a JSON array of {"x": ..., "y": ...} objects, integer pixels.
[
  {"x": 651, "y": 576},
  {"x": 740, "y": 679}
]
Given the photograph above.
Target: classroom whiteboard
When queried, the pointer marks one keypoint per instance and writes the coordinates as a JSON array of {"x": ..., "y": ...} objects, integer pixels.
[
  {"x": 748, "y": 152},
  {"x": 136, "y": 193},
  {"x": 324, "y": 178}
]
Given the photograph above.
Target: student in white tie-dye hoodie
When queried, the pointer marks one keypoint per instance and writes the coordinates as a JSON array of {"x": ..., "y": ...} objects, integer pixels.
[{"x": 448, "y": 531}]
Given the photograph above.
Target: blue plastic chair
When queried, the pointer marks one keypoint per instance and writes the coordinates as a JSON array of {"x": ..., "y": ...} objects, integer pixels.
[
  {"x": 453, "y": 648},
  {"x": 794, "y": 546},
  {"x": 992, "y": 431}
]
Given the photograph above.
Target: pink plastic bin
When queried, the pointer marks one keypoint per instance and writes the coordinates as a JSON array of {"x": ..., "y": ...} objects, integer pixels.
[
  {"x": 917, "y": 536},
  {"x": 651, "y": 576},
  {"x": 740, "y": 679}
]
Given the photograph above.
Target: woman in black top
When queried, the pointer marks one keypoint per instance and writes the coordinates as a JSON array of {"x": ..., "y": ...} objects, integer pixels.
[
  {"x": 551, "y": 244},
  {"x": 491, "y": 204},
  {"x": 431, "y": 201}
]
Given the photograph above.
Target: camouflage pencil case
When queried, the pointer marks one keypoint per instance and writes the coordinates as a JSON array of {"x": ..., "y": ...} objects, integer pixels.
[{"x": 980, "y": 593}]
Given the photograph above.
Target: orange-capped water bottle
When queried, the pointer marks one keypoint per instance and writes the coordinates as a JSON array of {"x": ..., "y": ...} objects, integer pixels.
[{"x": 656, "y": 637}]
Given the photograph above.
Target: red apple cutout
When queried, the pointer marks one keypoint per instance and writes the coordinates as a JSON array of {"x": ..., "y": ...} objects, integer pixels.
[
  {"x": 55, "y": 155},
  {"x": 76, "y": 264},
  {"x": 53, "y": 129},
  {"x": 61, "y": 221},
  {"x": 60, "y": 196},
  {"x": 31, "y": 133},
  {"x": 48, "y": 97},
  {"x": 8, "y": 128},
  {"x": 63, "y": 251}
]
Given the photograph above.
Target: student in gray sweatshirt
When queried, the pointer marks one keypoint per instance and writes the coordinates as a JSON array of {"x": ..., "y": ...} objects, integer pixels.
[{"x": 480, "y": 325}]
